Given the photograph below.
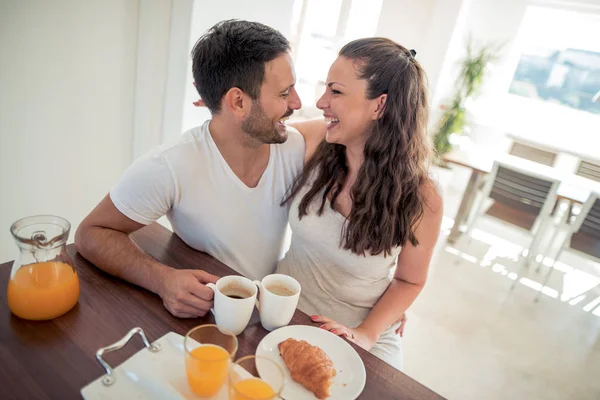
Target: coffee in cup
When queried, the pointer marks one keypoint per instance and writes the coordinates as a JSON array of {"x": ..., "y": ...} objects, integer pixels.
[
  {"x": 280, "y": 290},
  {"x": 236, "y": 292}
]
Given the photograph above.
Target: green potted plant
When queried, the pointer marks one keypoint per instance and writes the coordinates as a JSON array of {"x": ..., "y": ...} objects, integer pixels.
[{"x": 473, "y": 69}]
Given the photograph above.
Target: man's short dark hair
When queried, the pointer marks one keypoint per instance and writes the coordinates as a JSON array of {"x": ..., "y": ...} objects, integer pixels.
[{"x": 233, "y": 53}]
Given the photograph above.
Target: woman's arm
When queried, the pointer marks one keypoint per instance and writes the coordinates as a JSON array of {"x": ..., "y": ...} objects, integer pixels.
[
  {"x": 314, "y": 131},
  {"x": 409, "y": 279}
]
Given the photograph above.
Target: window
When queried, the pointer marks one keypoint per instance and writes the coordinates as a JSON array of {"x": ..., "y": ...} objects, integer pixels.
[
  {"x": 319, "y": 29},
  {"x": 560, "y": 59}
]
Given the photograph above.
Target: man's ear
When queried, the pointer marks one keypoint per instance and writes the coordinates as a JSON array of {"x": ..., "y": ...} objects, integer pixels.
[
  {"x": 237, "y": 102},
  {"x": 199, "y": 103},
  {"x": 380, "y": 106}
]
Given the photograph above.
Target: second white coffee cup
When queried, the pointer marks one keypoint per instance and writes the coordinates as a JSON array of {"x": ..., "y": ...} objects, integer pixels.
[{"x": 279, "y": 296}]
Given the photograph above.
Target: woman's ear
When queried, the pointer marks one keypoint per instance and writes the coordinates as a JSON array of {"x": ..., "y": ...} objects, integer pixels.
[{"x": 380, "y": 106}]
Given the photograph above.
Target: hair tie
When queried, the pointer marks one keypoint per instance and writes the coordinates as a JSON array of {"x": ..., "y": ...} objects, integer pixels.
[{"x": 413, "y": 53}]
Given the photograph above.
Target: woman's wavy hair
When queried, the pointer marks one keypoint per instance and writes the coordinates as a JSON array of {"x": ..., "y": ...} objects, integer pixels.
[{"x": 387, "y": 197}]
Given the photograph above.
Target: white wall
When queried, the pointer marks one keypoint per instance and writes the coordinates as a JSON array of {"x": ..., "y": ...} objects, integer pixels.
[
  {"x": 429, "y": 27},
  {"x": 406, "y": 22},
  {"x": 67, "y": 79},
  {"x": 152, "y": 61},
  {"x": 178, "y": 66},
  {"x": 275, "y": 13}
]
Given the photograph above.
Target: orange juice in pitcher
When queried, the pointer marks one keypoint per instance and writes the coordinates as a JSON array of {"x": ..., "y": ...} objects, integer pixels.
[{"x": 43, "y": 284}]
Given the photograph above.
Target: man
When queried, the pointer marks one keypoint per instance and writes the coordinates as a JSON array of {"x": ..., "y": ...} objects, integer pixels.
[{"x": 221, "y": 185}]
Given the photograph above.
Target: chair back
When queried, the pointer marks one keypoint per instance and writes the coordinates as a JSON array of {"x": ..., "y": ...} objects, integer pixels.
[
  {"x": 532, "y": 153},
  {"x": 585, "y": 231},
  {"x": 588, "y": 221},
  {"x": 589, "y": 170},
  {"x": 522, "y": 191}
]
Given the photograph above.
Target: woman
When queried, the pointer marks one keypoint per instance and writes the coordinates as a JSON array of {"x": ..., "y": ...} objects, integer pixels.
[{"x": 365, "y": 216}]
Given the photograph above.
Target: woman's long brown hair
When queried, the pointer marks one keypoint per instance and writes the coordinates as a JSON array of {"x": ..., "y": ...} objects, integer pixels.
[{"x": 387, "y": 198}]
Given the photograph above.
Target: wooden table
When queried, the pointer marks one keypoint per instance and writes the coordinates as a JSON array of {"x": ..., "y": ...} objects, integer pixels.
[
  {"x": 573, "y": 188},
  {"x": 55, "y": 359}
]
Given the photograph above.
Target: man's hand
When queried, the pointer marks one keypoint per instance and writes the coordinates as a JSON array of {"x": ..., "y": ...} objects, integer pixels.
[
  {"x": 400, "y": 329},
  {"x": 184, "y": 293}
]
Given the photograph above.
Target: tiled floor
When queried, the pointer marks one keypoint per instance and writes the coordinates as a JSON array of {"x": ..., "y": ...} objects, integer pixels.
[{"x": 470, "y": 337}]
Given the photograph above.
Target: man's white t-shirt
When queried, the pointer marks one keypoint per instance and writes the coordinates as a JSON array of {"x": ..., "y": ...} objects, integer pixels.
[{"x": 208, "y": 206}]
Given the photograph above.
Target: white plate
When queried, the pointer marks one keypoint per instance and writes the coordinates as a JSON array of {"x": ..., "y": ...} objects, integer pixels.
[{"x": 351, "y": 377}]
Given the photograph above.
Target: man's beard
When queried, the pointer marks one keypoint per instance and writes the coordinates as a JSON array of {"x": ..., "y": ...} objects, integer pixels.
[{"x": 258, "y": 126}]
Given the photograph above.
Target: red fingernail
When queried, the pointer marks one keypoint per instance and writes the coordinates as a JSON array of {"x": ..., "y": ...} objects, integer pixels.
[
  {"x": 313, "y": 316},
  {"x": 323, "y": 327}
]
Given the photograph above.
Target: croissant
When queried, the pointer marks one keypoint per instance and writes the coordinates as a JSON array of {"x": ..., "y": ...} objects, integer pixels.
[{"x": 308, "y": 365}]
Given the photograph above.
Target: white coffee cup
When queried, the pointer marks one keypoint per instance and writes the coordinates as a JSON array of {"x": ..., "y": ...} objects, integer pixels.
[
  {"x": 230, "y": 312},
  {"x": 279, "y": 296}
]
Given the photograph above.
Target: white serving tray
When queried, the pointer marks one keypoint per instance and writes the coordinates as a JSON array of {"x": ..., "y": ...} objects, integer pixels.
[{"x": 155, "y": 372}]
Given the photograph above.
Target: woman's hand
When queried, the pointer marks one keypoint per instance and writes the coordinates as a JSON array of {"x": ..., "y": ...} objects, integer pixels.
[{"x": 356, "y": 335}]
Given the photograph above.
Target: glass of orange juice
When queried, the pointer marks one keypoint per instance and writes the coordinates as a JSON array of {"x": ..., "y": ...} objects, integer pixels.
[
  {"x": 209, "y": 351},
  {"x": 43, "y": 283},
  {"x": 255, "y": 378}
]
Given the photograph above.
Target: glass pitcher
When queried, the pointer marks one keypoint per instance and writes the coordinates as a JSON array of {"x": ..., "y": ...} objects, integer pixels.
[{"x": 43, "y": 283}]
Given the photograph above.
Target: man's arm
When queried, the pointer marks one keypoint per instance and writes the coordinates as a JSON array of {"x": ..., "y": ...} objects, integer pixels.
[
  {"x": 103, "y": 239},
  {"x": 314, "y": 131}
]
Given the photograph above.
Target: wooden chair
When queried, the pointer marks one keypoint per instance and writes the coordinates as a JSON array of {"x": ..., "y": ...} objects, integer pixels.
[{"x": 522, "y": 199}]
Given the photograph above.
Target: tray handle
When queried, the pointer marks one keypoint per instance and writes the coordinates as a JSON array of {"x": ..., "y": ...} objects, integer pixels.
[{"x": 110, "y": 378}]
